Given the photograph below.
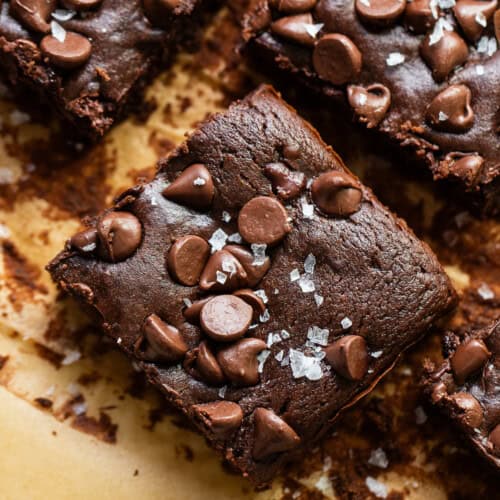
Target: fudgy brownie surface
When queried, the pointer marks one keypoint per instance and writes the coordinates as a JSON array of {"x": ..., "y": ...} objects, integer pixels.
[
  {"x": 466, "y": 387},
  {"x": 314, "y": 287},
  {"x": 424, "y": 73},
  {"x": 91, "y": 59}
]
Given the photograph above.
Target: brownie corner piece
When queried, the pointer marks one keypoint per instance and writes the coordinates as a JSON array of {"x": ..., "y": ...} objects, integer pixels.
[
  {"x": 257, "y": 282},
  {"x": 89, "y": 61},
  {"x": 465, "y": 388}
]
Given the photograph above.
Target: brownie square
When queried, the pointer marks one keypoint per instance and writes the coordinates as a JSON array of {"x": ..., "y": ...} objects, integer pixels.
[
  {"x": 466, "y": 388},
  {"x": 423, "y": 74},
  {"x": 259, "y": 285},
  {"x": 90, "y": 60}
]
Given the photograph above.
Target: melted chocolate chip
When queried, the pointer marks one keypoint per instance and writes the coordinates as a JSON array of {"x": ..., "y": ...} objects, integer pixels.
[
  {"x": 253, "y": 300},
  {"x": 463, "y": 166},
  {"x": 272, "y": 434},
  {"x": 263, "y": 220},
  {"x": 445, "y": 55},
  {"x": 71, "y": 53},
  {"x": 207, "y": 365},
  {"x": 286, "y": 183},
  {"x": 370, "y": 103},
  {"x": 193, "y": 188},
  {"x": 187, "y": 258},
  {"x": 336, "y": 59},
  {"x": 468, "y": 13},
  {"x": 468, "y": 359},
  {"x": 84, "y": 241},
  {"x": 471, "y": 412},
  {"x": 419, "y": 17},
  {"x": 223, "y": 273},
  {"x": 451, "y": 111},
  {"x": 380, "y": 12},
  {"x": 226, "y": 318},
  {"x": 494, "y": 439},
  {"x": 239, "y": 361},
  {"x": 336, "y": 193},
  {"x": 120, "y": 234},
  {"x": 255, "y": 271},
  {"x": 294, "y": 28},
  {"x": 221, "y": 418},
  {"x": 439, "y": 392},
  {"x": 293, "y": 6},
  {"x": 161, "y": 341},
  {"x": 34, "y": 14},
  {"x": 192, "y": 312},
  {"x": 349, "y": 357}
]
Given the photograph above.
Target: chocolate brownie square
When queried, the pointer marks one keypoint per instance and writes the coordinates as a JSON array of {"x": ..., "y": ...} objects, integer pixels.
[
  {"x": 424, "y": 74},
  {"x": 259, "y": 285},
  {"x": 90, "y": 59}
]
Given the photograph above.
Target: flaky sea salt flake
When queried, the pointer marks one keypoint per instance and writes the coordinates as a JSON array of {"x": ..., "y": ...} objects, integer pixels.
[
  {"x": 220, "y": 277},
  {"x": 376, "y": 487},
  {"x": 305, "y": 366},
  {"x": 294, "y": 275},
  {"x": 262, "y": 295},
  {"x": 485, "y": 292},
  {"x": 265, "y": 316},
  {"x": 259, "y": 253},
  {"x": 306, "y": 284},
  {"x": 307, "y": 210},
  {"x": 395, "y": 58},
  {"x": 58, "y": 32},
  {"x": 313, "y": 29},
  {"x": 262, "y": 358},
  {"x": 310, "y": 264},
  {"x": 378, "y": 458},
  {"x": 218, "y": 240},
  {"x": 319, "y": 299},
  {"x": 481, "y": 19},
  {"x": 318, "y": 335},
  {"x": 346, "y": 323},
  {"x": 63, "y": 15}
]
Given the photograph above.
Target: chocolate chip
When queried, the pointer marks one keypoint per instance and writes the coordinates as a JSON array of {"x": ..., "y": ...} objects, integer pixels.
[
  {"x": 239, "y": 361},
  {"x": 419, "y": 17},
  {"x": 286, "y": 183},
  {"x": 450, "y": 110},
  {"x": 187, "y": 258},
  {"x": 207, "y": 365},
  {"x": 255, "y": 271},
  {"x": 445, "y": 55},
  {"x": 80, "y": 4},
  {"x": 192, "y": 312},
  {"x": 291, "y": 150},
  {"x": 468, "y": 13},
  {"x": 494, "y": 438},
  {"x": 194, "y": 188},
  {"x": 34, "y": 14},
  {"x": 349, "y": 357},
  {"x": 337, "y": 59},
  {"x": 439, "y": 392},
  {"x": 470, "y": 411},
  {"x": 336, "y": 193},
  {"x": 263, "y": 220},
  {"x": 496, "y": 21},
  {"x": 120, "y": 234},
  {"x": 469, "y": 358},
  {"x": 223, "y": 273},
  {"x": 253, "y": 300},
  {"x": 221, "y": 418},
  {"x": 463, "y": 166},
  {"x": 84, "y": 241},
  {"x": 380, "y": 12},
  {"x": 294, "y": 28},
  {"x": 161, "y": 341},
  {"x": 71, "y": 53},
  {"x": 293, "y": 6},
  {"x": 272, "y": 434},
  {"x": 226, "y": 318},
  {"x": 370, "y": 103}
]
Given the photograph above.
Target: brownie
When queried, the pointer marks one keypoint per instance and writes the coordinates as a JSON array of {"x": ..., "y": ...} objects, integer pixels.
[
  {"x": 257, "y": 283},
  {"x": 424, "y": 73},
  {"x": 90, "y": 59},
  {"x": 466, "y": 388}
]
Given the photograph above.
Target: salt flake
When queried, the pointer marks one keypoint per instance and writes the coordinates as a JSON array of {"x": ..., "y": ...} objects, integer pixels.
[
  {"x": 395, "y": 58},
  {"x": 307, "y": 210},
  {"x": 378, "y": 458},
  {"x": 313, "y": 29},
  {"x": 259, "y": 253},
  {"x": 319, "y": 299},
  {"x": 376, "y": 487},
  {"x": 485, "y": 292},
  {"x": 294, "y": 275},
  {"x": 63, "y": 15},
  {"x": 220, "y": 277},
  {"x": 58, "y": 32},
  {"x": 306, "y": 284},
  {"x": 346, "y": 323},
  {"x": 309, "y": 264},
  {"x": 262, "y": 358},
  {"x": 305, "y": 366},
  {"x": 218, "y": 240},
  {"x": 318, "y": 335},
  {"x": 199, "y": 181}
]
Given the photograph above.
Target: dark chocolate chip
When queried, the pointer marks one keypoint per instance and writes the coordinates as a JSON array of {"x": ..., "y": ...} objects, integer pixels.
[
  {"x": 349, "y": 357},
  {"x": 494, "y": 438},
  {"x": 207, "y": 365},
  {"x": 293, "y": 6},
  {"x": 294, "y": 28},
  {"x": 239, "y": 361},
  {"x": 263, "y": 220},
  {"x": 468, "y": 359},
  {"x": 223, "y": 273},
  {"x": 73, "y": 52},
  {"x": 451, "y": 111},
  {"x": 272, "y": 434},
  {"x": 444, "y": 55},
  {"x": 161, "y": 341},
  {"x": 463, "y": 166},
  {"x": 287, "y": 184},
  {"x": 255, "y": 271},
  {"x": 473, "y": 16},
  {"x": 470, "y": 411},
  {"x": 192, "y": 312},
  {"x": 84, "y": 241},
  {"x": 380, "y": 12},
  {"x": 336, "y": 193},
  {"x": 336, "y": 59},
  {"x": 194, "y": 188},
  {"x": 120, "y": 234},
  {"x": 226, "y": 318},
  {"x": 419, "y": 16},
  {"x": 34, "y": 14},
  {"x": 253, "y": 300},
  {"x": 80, "y": 4},
  {"x": 221, "y": 418},
  {"x": 187, "y": 258},
  {"x": 370, "y": 104}
]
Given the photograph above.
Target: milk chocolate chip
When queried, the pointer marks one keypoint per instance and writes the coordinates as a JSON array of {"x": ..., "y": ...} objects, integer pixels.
[
  {"x": 272, "y": 434},
  {"x": 380, "y": 12},
  {"x": 223, "y": 273},
  {"x": 294, "y": 28},
  {"x": 287, "y": 184},
  {"x": 120, "y": 234},
  {"x": 255, "y": 269},
  {"x": 293, "y": 6},
  {"x": 192, "y": 312},
  {"x": 469, "y": 408},
  {"x": 80, "y": 4},
  {"x": 70, "y": 53},
  {"x": 207, "y": 365},
  {"x": 336, "y": 193},
  {"x": 34, "y": 14},
  {"x": 419, "y": 16},
  {"x": 84, "y": 241},
  {"x": 462, "y": 165},
  {"x": 253, "y": 300},
  {"x": 469, "y": 358},
  {"x": 473, "y": 16},
  {"x": 349, "y": 357},
  {"x": 187, "y": 258},
  {"x": 221, "y": 418},
  {"x": 370, "y": 103},
  {"x": 494, "y": 438}
]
